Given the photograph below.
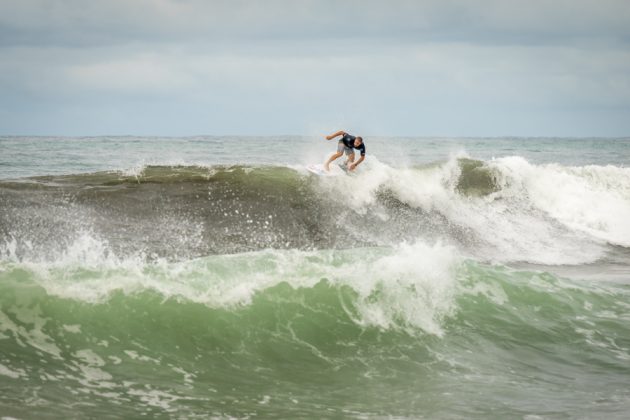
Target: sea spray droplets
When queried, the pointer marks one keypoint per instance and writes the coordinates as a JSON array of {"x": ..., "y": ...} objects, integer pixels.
[{"x": 503, "y": 210}]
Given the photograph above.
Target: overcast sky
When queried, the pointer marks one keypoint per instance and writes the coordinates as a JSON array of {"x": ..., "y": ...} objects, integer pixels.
[{"x": 422, "y": 68}]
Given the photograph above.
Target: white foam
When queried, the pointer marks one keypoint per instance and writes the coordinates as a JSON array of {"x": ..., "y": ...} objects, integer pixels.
[
  {"x": 188, "y": 377},
  {"x": 135, "y": 356},
  {"x": 546, "y": 214},
  {"x": 74, "y": 329},
  {"x": 405, "y": 286},
  {"x": 89, "y": 357},
  {"x": 413, "y": 287},
  {"x": 12, "y": 373},
  {"x": 8, "y": 250},
  {"x": 591, "y": 199},
  {"x": 31, "y": 316},
  {"x": 136, "y": 171},
  {"x": 156, "y": 398}
]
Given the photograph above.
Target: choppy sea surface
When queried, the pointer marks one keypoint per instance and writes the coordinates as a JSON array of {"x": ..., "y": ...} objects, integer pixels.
[{"x": 215, "y": 277}]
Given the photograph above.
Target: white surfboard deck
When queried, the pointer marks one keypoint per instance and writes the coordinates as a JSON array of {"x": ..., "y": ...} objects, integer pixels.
[{"x": 318, "y": 169}]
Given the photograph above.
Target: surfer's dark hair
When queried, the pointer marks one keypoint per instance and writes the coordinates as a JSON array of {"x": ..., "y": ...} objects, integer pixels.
[{"x": 360, "y": 139}]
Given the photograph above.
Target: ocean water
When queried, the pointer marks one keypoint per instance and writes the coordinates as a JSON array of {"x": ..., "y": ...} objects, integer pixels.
[{"x": 215, "y": 277}]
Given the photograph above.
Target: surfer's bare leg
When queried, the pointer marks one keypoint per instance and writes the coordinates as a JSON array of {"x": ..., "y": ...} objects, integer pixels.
[
  {"x": 350, "y": 159},
  {"x": 333, "y": 157}
]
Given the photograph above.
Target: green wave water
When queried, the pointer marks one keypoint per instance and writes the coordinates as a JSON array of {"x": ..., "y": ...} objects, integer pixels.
[{"x": 421, "y": 332}]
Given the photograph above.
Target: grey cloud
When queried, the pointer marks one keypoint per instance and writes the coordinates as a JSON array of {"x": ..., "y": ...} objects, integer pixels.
[
  {"x": 114, "y": 22},
  {"x": 401, "y": 67}
]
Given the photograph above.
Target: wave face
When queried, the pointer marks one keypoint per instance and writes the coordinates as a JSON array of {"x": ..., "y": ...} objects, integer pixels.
[
  {"x": 504, "y": 210},
  {"x": 418, "y": 330},
  {"x": 262, "y": 290}
]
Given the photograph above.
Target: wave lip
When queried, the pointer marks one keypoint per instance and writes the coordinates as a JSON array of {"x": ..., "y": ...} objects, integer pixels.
[{"x": 410, "y": 286}]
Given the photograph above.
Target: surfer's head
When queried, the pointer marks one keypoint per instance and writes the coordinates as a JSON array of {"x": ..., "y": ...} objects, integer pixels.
[{"x": 358, "y": 141}]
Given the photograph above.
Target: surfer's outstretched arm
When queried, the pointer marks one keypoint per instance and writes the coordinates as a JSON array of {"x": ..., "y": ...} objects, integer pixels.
[{"x": 338, "y": 133}]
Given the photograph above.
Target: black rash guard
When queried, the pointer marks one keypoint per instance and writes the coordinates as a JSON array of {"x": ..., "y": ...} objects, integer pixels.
[{"x": 348, "y": 141}]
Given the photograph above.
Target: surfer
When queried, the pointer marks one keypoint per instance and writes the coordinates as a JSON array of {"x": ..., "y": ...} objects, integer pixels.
[{"x": 347, "y": 144}]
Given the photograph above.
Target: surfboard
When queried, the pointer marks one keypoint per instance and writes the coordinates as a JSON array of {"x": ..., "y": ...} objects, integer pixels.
[{"x": 318, "y": 169}]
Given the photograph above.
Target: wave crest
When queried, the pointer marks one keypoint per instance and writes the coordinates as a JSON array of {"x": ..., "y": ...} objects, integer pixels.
[{"x": 505, "y": 209}]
